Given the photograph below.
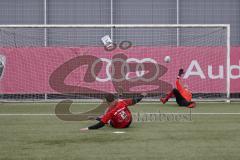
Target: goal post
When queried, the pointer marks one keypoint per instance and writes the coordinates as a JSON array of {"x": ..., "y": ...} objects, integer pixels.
[{"x": 37, "y": 53}]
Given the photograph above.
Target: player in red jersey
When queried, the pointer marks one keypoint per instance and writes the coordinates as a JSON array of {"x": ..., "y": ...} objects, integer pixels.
[
  {"x": 182, "y": 94},
  {"x": 117, "y": 115}
]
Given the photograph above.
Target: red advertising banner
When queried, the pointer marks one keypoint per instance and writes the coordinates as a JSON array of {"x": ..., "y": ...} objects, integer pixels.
[{"x": 30, "y": 70}]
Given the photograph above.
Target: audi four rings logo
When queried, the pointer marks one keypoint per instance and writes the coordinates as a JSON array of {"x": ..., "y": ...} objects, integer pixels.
[{"x": 139, "y": 70}]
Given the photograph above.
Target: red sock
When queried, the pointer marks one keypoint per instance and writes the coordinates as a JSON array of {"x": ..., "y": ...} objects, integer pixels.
[{"x": 169, "y": 95}]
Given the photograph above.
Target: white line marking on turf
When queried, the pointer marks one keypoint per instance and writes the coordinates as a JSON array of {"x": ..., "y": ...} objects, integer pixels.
[
  {"x": 195, "y": 113},
  {"x": 216, "y": 113},
  {"x": 52, "y": 114},
  {"x": 118, "y": 132}
]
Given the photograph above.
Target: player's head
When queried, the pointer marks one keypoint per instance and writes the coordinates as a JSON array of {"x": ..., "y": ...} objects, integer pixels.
[{"x": 110, "y": 98}]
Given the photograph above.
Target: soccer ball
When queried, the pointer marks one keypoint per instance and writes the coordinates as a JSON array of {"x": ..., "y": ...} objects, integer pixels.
[{"x": 167, "y": 59}]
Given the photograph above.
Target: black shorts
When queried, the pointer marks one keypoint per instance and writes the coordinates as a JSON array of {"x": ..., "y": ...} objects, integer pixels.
[{"x": 181, "y": 101}]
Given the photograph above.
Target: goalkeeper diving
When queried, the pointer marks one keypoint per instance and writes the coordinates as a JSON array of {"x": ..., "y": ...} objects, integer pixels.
[
  {"x": 182, "y": 94},
  {"x": 117, "y": 114}
]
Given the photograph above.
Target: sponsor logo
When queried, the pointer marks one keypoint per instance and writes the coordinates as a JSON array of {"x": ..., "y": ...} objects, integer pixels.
[{"x": 125, "y": 69}]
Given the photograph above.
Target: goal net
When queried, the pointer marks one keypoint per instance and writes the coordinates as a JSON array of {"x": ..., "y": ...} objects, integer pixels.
[{"x": 47, "y": 62}]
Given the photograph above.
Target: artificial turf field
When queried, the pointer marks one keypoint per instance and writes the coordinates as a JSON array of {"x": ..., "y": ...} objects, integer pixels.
[{"x": 205, "y": 137}]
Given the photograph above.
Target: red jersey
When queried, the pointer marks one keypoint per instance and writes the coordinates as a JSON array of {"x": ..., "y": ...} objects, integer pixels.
[
  {"x": 119, "y": 115},
  {"x": 183, "y": 91}
]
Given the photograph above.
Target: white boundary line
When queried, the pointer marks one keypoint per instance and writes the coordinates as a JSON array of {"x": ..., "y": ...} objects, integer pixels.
[
  {"x": 53, "y": 114},
  {"x": 194, "y": 113}
]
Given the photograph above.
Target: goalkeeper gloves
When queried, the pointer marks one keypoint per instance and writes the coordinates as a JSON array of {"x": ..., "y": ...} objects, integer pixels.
[{"x": 180, "y": 72}]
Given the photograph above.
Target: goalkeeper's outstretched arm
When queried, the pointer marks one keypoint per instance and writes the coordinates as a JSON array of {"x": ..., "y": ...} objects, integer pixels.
[
  {"x": 179, "y": 84},
  {"x": 100, "y": 124},
  {"x": 138, "y": 99}
]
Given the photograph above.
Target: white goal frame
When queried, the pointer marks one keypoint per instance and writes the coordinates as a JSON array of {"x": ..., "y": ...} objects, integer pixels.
[{"x": 227, "y": 26}]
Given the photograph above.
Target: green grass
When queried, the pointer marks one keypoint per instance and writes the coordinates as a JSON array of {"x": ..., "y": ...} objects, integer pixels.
[{"x": 47, "y": 137}]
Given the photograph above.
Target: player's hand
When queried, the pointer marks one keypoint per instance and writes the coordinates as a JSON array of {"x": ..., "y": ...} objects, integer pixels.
[
  {"x": 84, "y": 129},
  {"x": 180, "y": 72}
]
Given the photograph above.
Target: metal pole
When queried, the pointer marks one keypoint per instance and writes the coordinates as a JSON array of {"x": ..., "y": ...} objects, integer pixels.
[
  {"x": 228, "y": 63},
  {"x": 111, "y": 19},
  {"x": 45, "y": 32},
  {"x": 45, "y": 22},
  {"x": 178, "y": 22}
]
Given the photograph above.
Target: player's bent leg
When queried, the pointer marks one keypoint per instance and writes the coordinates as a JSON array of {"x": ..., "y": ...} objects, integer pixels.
[{"x": 169, "y": 95}]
